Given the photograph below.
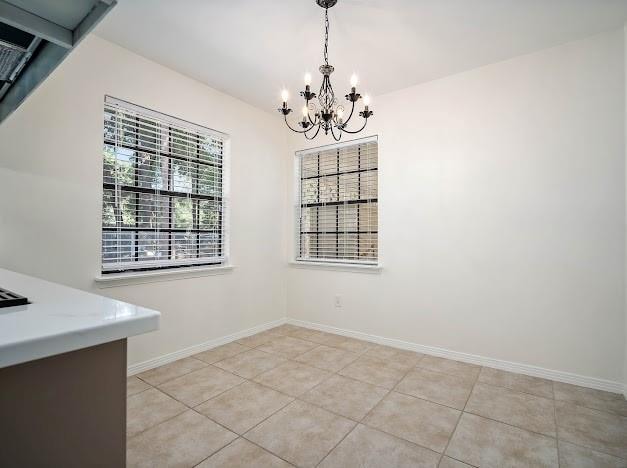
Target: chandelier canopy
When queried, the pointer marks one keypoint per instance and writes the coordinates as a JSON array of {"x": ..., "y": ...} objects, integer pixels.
[{"x": 327, "y": 114}]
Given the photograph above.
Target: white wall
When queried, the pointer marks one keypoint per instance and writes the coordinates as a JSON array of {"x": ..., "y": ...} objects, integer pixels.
[
  {"x": 502, "y": 215},
  {"x": 51, "y": 188}
]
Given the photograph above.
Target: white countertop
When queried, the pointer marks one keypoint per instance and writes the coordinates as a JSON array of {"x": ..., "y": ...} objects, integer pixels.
[{"x": 61, "y": 319}]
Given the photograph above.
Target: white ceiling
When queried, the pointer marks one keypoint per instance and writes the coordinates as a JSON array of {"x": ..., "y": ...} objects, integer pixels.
[{"x": 251, "y": 48}]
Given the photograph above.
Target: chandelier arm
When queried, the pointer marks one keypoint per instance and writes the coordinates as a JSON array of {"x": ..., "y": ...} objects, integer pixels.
[
  {"x": 314, "y": 135},
  {"x": 351, "y": 114},
  {"x": 295, "y": 130},
  {"x": 336, "y": 138},
  {"x": 356, "y": 131},
  {"x": 312, "y": 122}
]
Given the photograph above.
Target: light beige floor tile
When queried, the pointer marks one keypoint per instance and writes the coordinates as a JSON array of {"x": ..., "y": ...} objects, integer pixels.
[
  {"x": 292, "y": 378},
  {"x": 573, "y": 456},
  {"x": 448, "y": 462},
  {"x": 434, "y": 386},
  {"x": 308, "y": 334},
  {"x": 198, "y": 386},
  {"x": 286, "y": 329},
  {"x": 346, "y": 397},
  {"x": 382, "y": 351},
  {"x": 301, "y": 433},
  {"x": 258, "y": 339},
  {"x": 183, "y": 441},
  {"x": 244, "y": 406},
  {"x": 415, "y": 420},
  {"x": 591, "y": 398},
  {"x": 221, "y": 352},
  {"x": 591, "y": 428},
  {"x": 135, "y": 385},
  {"x": 347, "y": 344},
  {"x": 250, "y": 363},
  {"x": 482, "y": 442},
  {"x": 365, "y": 447},
  {"x": 374, "y": 371},
  {"x": 518, "y": 382},
  {"x": 171, "y": 371},
  {"x": 327, "y": 358},
  {"x": 406, "y": 359},
  {"x": 149, "y": 408},
  {"x": 522, "y": 410},
  {"x": 287, "y": 346},
  {"x": 448, "y": 366},
  {"x": 244, "y": 454},
  {"x": 402, "y": 357}
]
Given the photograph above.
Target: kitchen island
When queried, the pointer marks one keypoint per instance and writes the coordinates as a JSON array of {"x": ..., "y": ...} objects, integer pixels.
[{"x": 63, "y": 375}]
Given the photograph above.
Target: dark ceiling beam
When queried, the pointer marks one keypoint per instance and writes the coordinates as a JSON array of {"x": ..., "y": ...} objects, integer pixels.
[
  {"x": 35, "y": 25},
  {"x": 50, "y": 54}
]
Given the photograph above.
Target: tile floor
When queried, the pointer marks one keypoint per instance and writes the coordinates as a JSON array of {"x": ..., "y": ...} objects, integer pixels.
[{"x": 292, "y": 396}]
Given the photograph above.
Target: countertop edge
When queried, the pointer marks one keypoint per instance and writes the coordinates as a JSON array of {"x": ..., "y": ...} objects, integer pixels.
[{"x": 31, "y": 350}]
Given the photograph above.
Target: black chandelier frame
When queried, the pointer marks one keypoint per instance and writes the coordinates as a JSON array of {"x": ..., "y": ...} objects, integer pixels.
[{"x": 329, "y": 117}]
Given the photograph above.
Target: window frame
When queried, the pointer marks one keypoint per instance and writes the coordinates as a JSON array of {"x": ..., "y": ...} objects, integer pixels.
[
  {"x": 331, "y": 263},
  {"x": 178, "y": 267}
]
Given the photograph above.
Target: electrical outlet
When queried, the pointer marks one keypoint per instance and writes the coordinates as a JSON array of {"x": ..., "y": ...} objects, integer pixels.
[{"x": 338, "y": 301}]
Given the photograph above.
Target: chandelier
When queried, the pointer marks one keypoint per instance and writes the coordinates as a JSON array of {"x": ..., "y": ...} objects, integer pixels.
[{"x": 328, "y": 115}]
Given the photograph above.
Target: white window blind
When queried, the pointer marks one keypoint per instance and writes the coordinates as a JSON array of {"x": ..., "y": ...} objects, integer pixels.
[
  {"x": 338, "y": 203},
  {"x": 163, "y": 191}
]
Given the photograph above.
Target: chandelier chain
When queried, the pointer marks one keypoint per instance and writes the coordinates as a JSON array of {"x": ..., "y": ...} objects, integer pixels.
[{"x": 326, "y": 36}]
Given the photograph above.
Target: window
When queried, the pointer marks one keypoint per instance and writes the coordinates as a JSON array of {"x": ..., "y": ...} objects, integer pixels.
[
  {"x": 163, "y": 191},
  {"x": 338, "y": 204}
]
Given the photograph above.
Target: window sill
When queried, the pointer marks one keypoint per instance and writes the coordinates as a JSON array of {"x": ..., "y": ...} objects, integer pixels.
[
  {"x": 352, "y": 267},
  {"x": 126, "y": 279}
]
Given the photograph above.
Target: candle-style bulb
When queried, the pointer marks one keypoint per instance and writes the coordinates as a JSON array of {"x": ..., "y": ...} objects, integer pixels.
[
  {"x": 353, "y": 80},
  {"x": 305, "y": 111},
  {"x": 307, "y": 79},
  {"x": 340, "y": 114},
  {"x": 366, "y": 100},
  {"x": 285, "y": 95}
]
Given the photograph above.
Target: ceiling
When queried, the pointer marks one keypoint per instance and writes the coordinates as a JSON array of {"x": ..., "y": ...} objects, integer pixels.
[{"x": 250, "y": 49}]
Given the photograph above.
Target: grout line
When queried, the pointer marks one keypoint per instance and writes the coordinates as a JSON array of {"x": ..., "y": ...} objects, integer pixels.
[
  {"x": 593, "y": 449},
  {"x": 459, "y": 418},
  {"x": 187, "y": 408},
  {"x": 212, "y": 454},
  {"x": 580, "y": 405},
  {"x": 557, "y": 429},
  {"x": 176, "y": 377},
  {"x": 266, "y": 450},
  {"x": 338, "y": 443},
  {"x": 515, "y": 390}
]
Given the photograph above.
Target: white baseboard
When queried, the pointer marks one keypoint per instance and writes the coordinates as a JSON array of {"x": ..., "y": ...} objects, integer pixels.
[
  {"x": 176, "y": 355},
  {"x": 566, "y": 377}
]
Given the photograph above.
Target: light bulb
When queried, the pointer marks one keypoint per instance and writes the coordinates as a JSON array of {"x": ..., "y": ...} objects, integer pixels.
[
  {"x": 285, "y": 95},
  {"x": 305, "y": 111},
  {"x": 340, "y": 114},
  {"x": 366, "y": 100},
  {"x": 307, "y": 79},
  {"x": 353, "y": 80}
]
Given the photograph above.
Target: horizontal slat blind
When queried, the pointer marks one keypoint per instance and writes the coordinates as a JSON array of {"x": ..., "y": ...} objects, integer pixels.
[
  {"x": 163, "y": 198},
  {"x": 338, "y": 203}
]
